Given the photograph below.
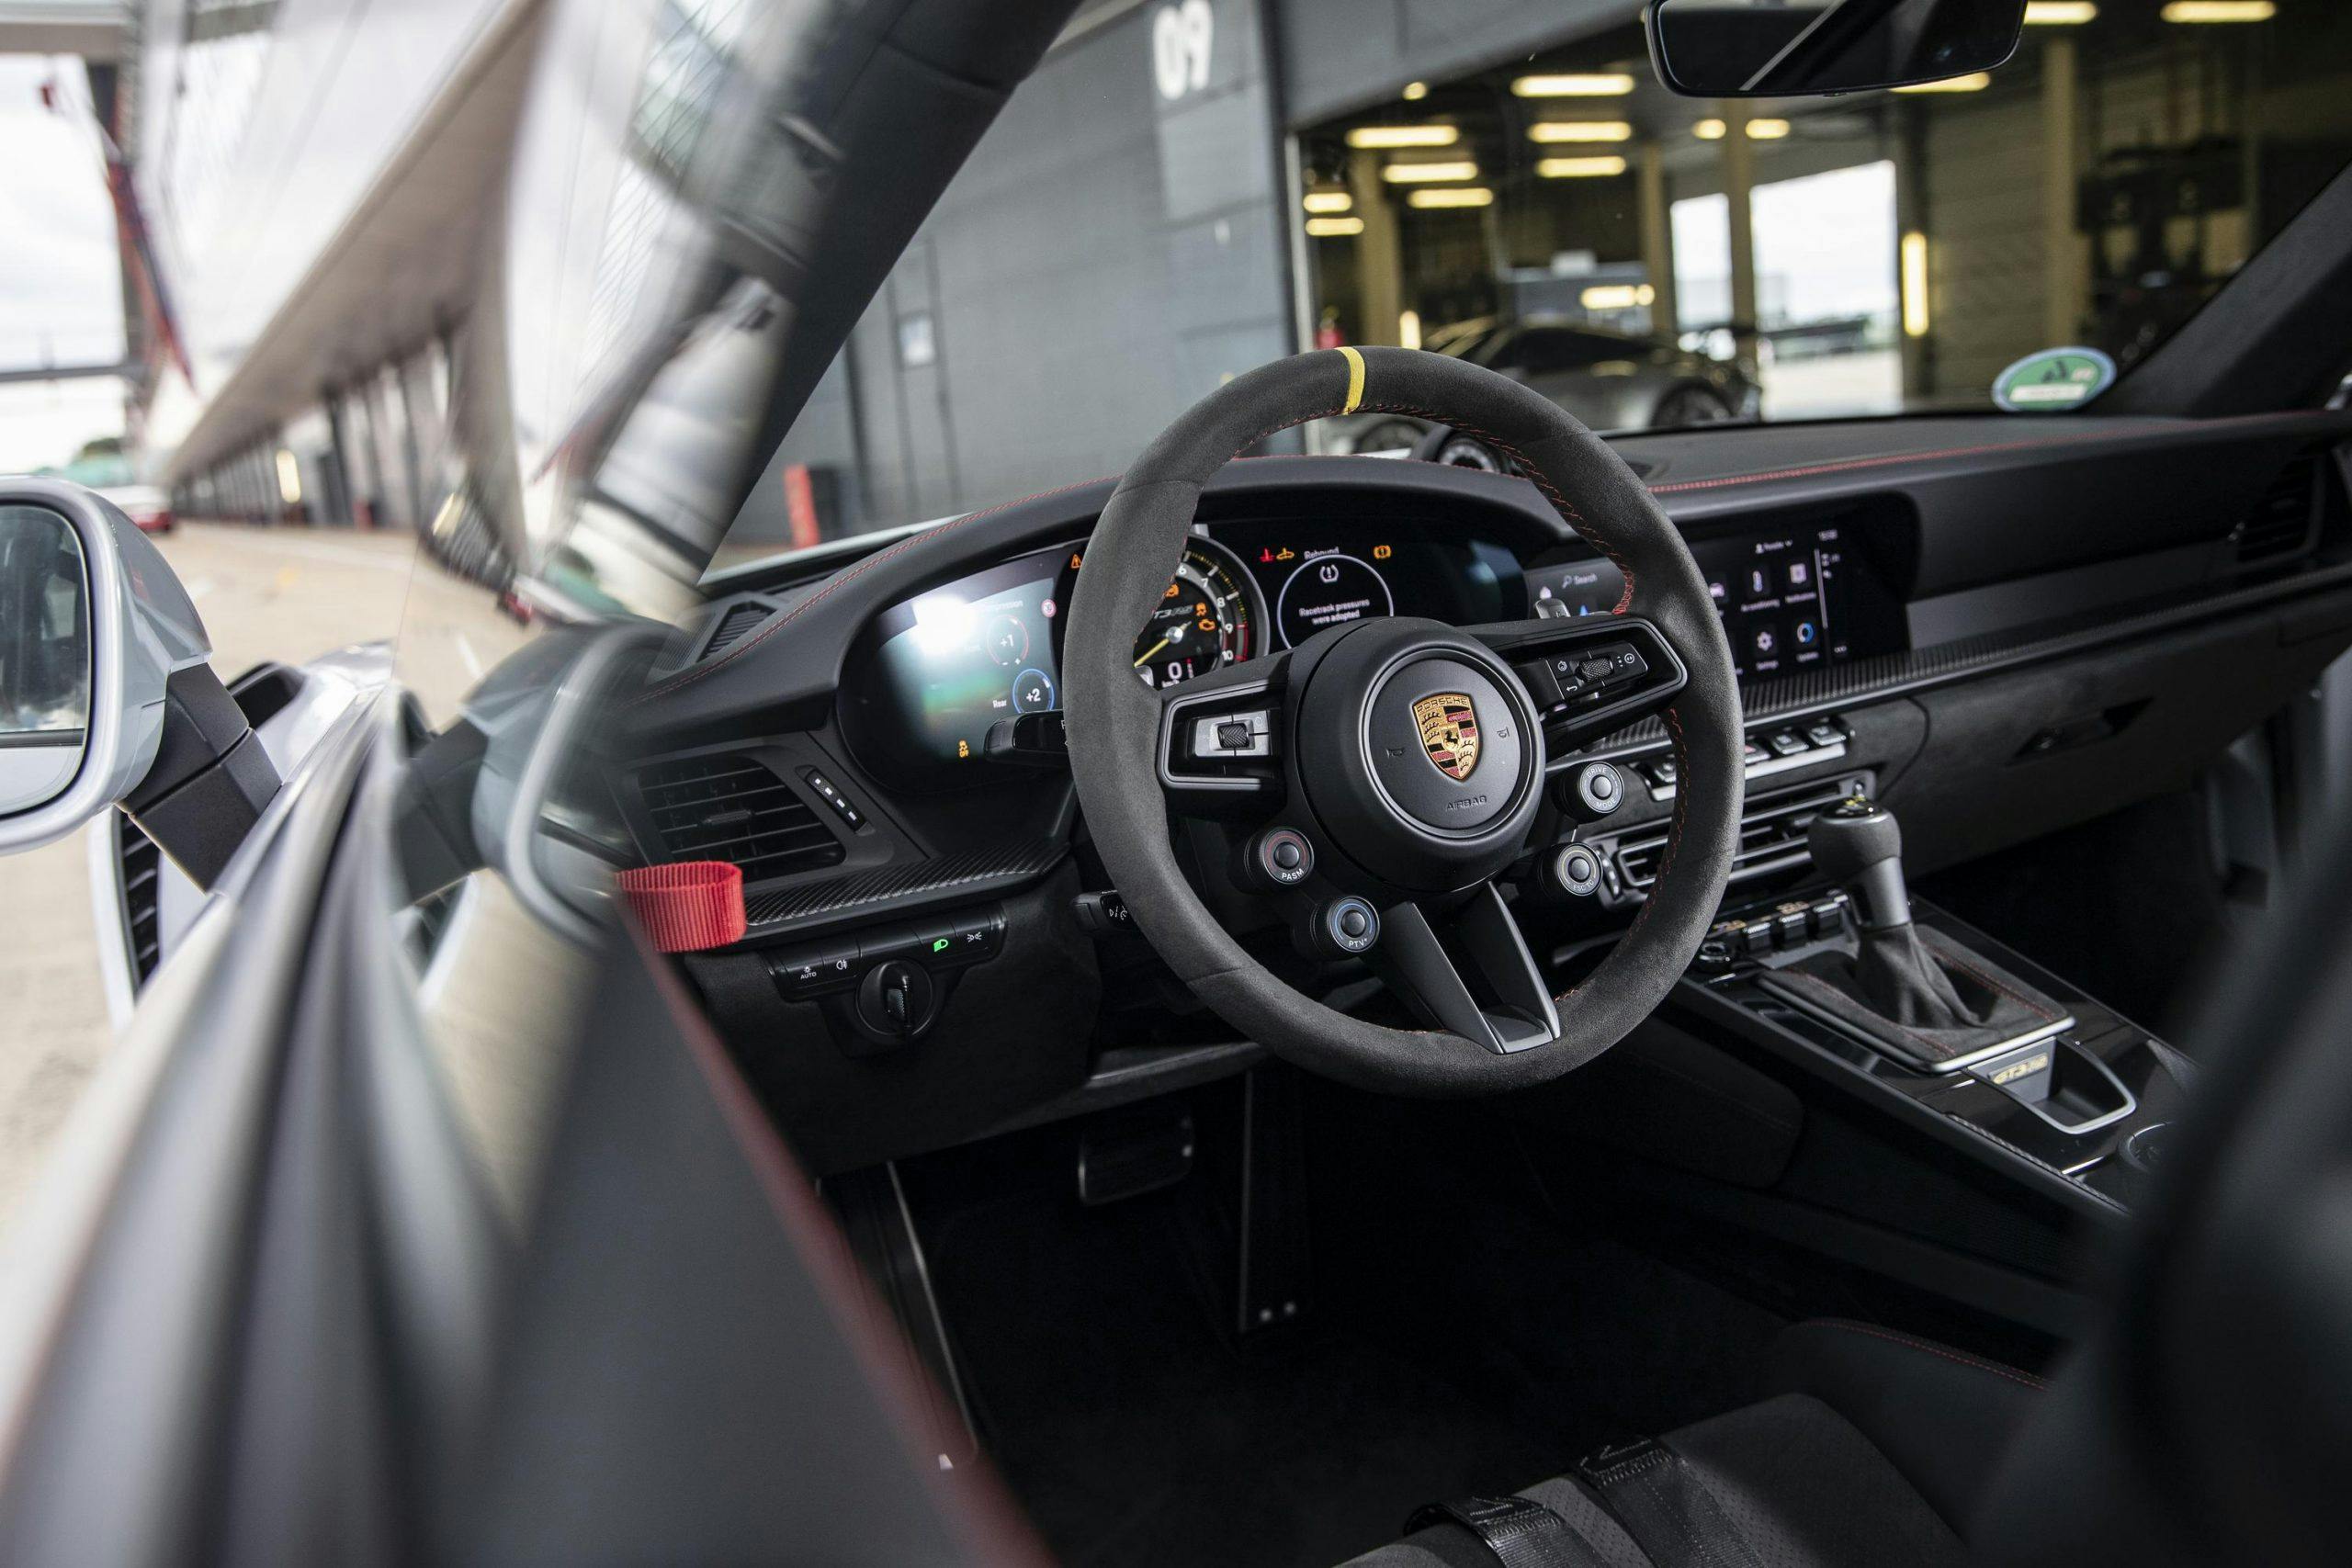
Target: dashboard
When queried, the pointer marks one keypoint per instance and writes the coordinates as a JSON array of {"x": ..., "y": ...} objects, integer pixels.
[
  {"x": 950, "y": 664},
  {"x": 1994, "y": 645}
]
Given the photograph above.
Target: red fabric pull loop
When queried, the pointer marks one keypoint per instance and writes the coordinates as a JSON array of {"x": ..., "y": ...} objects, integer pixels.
[{"x": 687, "y": 906}]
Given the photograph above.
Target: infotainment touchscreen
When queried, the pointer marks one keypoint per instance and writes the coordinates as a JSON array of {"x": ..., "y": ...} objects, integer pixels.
[{"x": 1791, "y": 598}]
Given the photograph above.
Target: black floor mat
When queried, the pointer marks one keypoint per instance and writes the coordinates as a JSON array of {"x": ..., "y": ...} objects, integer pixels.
[{"x": 1440, "y": 1359}]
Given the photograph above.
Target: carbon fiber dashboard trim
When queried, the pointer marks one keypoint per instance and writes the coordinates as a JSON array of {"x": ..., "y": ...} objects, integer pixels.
[
  {"x": 899, "y": 889},
  {"x": 1897, "y": 674}
]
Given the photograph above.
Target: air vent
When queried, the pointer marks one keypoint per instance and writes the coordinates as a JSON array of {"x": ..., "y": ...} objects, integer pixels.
[
  {"x": 2281, "y": 523},
  {"x": 735, "y": 624},
  {"x": 142, "y": 869},
  {"x": 734, "y": 808},
  {"x": 1771, "y": 836}
]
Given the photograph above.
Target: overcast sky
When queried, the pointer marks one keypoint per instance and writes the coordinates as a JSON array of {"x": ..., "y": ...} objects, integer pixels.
[{"x": 61, "y": 300}]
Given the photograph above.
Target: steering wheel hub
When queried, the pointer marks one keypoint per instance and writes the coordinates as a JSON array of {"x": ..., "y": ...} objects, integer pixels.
[{"x": 1418, "y": 751}]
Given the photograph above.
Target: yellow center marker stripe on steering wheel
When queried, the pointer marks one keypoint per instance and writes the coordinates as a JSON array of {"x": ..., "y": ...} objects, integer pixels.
[{"x": 1355, "y": 378}]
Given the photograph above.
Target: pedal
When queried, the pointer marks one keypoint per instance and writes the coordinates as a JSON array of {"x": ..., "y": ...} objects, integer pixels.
[{"x": 1126, "y": 1154}]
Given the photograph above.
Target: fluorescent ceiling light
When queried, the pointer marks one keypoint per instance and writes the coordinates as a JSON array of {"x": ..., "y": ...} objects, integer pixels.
[
  {"x": 1329, "y": 201},
  {"x": 1767, "y": 130},
  {"x": 2059, "y": 13},
  {"x": 1914, "y": 285},
  {"x": 1579, "y": 131},
  {"x": 2220, "y": 11},
  {"x": 1588, "y": 84},
  {"x": 1459, "y": 195},
  {"x": 1618, "y": 296},
  {"x": 1974, "y": 81},
  {"x": 1708, "y": 130},
  {"x": 1416, "y": 91},
  {"x": 1404, "y": 135},
  {"x": 1423, "y": 174},
  {"x": 1579, "y": 168},
  {"x": 1334, "y": 227}
]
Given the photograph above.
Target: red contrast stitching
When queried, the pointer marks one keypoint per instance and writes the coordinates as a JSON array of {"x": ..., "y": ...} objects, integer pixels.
[
  {"x": 1934, "y": 1048},
  {"x": 1846, "y": 464},
  {"x": 1956, "y": 962},
  {"x": 1908, "y": 1343}
]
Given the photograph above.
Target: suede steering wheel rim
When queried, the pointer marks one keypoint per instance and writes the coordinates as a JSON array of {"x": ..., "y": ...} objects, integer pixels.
[{"x": 1120, "y": 734}]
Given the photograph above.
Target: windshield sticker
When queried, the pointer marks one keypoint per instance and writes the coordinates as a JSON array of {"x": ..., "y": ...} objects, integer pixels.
[{"x": 2054, "y": 381}]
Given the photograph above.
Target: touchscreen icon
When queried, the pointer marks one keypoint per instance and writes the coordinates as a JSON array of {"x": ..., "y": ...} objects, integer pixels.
[{"x": 1800, "y": 573}]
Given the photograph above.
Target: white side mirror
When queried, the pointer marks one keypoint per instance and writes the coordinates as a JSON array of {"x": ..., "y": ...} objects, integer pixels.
[{"x": 93, "y": 626}]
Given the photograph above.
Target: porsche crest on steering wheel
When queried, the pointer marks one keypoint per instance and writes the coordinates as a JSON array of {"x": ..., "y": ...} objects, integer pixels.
[{"x": 1449, "y": 728}]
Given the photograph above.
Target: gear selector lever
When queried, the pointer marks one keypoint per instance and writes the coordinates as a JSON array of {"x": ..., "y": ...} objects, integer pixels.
[
  {"x": 1858, "y": 844},
  {"x": 1916, "y": 994}
]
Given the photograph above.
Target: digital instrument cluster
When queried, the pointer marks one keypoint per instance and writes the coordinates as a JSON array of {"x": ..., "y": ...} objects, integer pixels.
[
  {"x": 1791, "y": 598},
  {"x": 1246, "y": 589},
  {"x": 946, "y": 666},
  {"x": 954, "y": 661}
]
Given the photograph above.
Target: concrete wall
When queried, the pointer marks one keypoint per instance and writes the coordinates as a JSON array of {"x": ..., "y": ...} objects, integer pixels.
[{"x": 1108, "y": 255}]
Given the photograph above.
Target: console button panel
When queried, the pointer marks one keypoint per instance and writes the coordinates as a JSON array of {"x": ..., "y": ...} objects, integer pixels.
[{"x": 1772, "y": 749}]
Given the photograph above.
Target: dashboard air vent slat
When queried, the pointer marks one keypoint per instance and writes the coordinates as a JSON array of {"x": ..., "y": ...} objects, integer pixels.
[
  {"x": 2282, "y": 522},
  {"x": 1771, "y": 836},
  {"x": 736, "y": 809},
  {"x": 735, "y": 624}
]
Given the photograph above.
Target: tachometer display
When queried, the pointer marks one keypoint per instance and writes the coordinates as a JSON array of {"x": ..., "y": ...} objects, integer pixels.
[{"x": 1206, "y": 619}]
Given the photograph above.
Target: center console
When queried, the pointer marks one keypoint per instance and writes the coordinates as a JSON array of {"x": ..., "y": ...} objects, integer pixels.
[{"x": 1939, "y": 1023}]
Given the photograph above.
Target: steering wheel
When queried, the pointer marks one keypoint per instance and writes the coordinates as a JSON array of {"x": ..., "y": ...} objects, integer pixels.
[{"x": 1381, "y": 773}]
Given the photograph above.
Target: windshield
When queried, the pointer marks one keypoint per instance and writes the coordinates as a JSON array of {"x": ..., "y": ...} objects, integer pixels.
[{"x": 1141, "y": 222}]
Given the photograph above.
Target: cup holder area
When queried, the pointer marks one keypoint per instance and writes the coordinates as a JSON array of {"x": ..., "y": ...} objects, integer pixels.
[{"x": 2062, "y": 1083}]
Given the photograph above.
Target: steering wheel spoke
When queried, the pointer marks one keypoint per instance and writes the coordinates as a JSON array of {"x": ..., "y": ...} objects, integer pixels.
[
  {"x": 1590, "y": 676},
  {"x": 1467, "y": 970},
  {"x": 1222, "y": 738}
]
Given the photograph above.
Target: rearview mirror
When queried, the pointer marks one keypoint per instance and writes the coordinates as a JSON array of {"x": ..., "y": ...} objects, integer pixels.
[
  {"x": 92, "y": 625},
  {"x": 1786, "y": 49}
]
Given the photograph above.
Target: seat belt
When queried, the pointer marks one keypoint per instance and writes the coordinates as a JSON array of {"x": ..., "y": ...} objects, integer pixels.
[
  {"x": 1665, "y": 1507},
  {"x": 1519, "y": 1532}
]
